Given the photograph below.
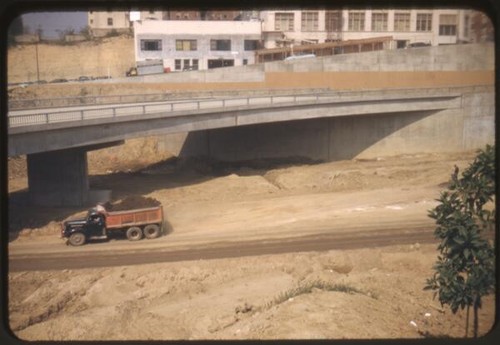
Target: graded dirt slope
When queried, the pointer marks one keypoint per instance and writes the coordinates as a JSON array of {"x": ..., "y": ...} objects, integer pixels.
[
  {"x": 366, "y": 293},
  {"x": 373, "y": 292}
]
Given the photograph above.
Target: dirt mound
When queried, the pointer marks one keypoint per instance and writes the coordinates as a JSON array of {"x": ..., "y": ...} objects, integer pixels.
[{"x": 133, "y": 202}]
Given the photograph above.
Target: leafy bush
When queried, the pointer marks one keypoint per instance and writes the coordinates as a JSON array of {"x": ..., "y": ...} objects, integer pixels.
[{"x": 465, "y": 269}]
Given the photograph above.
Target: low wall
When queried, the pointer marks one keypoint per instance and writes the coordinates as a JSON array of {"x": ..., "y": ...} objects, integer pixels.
[
  {"x": 454, "y": 65},
  {"x": 470, "y": 64}
]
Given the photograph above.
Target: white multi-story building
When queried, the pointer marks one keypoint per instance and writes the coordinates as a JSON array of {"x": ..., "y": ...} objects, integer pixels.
[
  {"x": 204, "y": 44},
  {"x": 406, "y": 26},
  {"x": 197, "y": 45}
]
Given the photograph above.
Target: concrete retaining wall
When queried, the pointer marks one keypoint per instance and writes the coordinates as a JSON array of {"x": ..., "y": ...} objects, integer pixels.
[{"x": 453, "y": 58}]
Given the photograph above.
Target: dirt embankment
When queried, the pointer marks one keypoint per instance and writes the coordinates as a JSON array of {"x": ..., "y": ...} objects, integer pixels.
[
  {"x": 355, "y": 294},
  {"x": 364, "y": 293}
]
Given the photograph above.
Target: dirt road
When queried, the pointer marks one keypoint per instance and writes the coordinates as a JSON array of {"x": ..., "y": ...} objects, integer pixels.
[{"x": 383, "y": 236}]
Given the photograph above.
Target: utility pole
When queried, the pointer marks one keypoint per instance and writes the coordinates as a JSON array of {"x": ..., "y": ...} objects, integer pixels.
[
  {"x": 39, "y": 34},
  {"x": 37, "y": 64}
]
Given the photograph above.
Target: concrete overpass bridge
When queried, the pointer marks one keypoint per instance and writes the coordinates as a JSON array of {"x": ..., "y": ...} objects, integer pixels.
[{"x": 56, "y": 140}]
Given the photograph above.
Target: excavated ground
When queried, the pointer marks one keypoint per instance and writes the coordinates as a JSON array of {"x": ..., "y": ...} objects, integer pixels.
[{"x": 373, "y": 292}]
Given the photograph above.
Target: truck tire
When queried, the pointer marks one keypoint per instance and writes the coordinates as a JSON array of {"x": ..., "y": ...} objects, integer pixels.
[
  {"x": 77, "y": 239},
  {"x": 151, "y": 231},
  {"x": 134, "y": 233}
]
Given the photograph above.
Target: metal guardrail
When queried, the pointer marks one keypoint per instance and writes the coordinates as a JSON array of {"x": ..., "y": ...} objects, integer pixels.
[
  {"x": 170, "y": 108},
  {"x": 21, "y": 104},
  {"x": 167, "y": 108}
]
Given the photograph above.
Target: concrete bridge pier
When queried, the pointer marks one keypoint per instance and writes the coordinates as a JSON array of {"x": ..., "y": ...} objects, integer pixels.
[{"x": 60, "y": 178}]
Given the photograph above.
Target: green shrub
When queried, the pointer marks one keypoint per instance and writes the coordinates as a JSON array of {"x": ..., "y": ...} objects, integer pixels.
[{"x": 465, "y": 269}]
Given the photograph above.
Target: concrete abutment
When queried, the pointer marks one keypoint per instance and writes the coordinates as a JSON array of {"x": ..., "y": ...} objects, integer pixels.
[{"x": 60, "y": 178}]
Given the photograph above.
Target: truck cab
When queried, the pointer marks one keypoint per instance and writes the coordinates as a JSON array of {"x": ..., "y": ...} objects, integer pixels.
[{"x": 78, "y": 231}]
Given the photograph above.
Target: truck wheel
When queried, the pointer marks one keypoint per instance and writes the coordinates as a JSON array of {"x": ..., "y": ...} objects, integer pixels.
[
  {"x": 134, "y": 233},
  {"x": 151, "y": 231},
  {"x": 77, "y": 239}
]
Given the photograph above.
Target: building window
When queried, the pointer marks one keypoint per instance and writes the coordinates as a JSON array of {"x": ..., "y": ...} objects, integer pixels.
[
  {"x": 447, "y": 25},
  {"x": 150, "y": 45},
  {"x": 401, "y": 22},
  {"x": 185, "y": 45},
  {"x": 251, "y": 44},
  {"x": 195, "y": 65},
  {"x": 333, "y": 21},
  {"x": 222, "y": 45},
  {"x": 424, "y": 21},
  {"x": 245, "y": 62},
  {"x": 401, "y": 44},
  {"x": 178, "y": 64},
  {"x": 309, "y": 21},
  {"x": 283, "y": 22},
  {"x": 110, "y": 21},
  {"x": 379, "y": 21},
  {"x": 356, "y": 21}
]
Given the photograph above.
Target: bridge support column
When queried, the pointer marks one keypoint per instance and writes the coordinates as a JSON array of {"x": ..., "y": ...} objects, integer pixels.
[{"x": 58, "y": 178}]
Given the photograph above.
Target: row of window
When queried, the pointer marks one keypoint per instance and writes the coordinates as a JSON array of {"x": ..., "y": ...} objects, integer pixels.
[
  {"x": 186, "y": 64},
  {"x": 192, "y": 45},
  {"x": 356, "y": 22},
  {"x": 109, "y": 21},
  {"x": 193, "y": 64}
]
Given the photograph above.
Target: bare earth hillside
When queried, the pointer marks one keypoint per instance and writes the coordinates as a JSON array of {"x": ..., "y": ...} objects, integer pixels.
[
  {"x": 370, "y": 292},
  {"x": 106, "y": 57}
]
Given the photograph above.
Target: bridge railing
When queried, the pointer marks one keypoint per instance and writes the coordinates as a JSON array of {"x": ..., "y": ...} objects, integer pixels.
[
  {"x": 20, "y": 104},
  {"x": 171, "y": 107},
  {"x": 166, "y": 108}
]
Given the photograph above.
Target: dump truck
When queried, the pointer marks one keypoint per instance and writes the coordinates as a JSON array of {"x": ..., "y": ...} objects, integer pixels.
[{"x": 99, "y": 224}]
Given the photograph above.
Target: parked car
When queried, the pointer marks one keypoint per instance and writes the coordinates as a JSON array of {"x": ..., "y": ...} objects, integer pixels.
[
  {"x": 298, "y": 57},
  {"x": 418, "y": 44},
  {"x": 59, "y": 80}
]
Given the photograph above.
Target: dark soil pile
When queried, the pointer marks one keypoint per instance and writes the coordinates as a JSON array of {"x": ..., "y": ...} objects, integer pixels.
[{"x": 133, "y": 202}]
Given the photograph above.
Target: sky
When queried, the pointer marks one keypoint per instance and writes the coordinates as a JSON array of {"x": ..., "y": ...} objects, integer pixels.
[{"x": 51, "y": 22}]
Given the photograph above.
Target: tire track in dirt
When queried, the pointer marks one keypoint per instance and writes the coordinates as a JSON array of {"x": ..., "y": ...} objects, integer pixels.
[{"x": 387, "y": 236}]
